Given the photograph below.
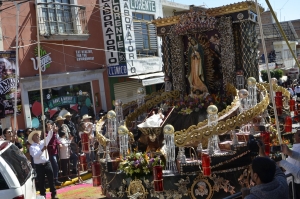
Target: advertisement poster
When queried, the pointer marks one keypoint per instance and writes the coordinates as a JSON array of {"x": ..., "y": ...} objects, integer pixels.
[{"x": 8, "y": 84}]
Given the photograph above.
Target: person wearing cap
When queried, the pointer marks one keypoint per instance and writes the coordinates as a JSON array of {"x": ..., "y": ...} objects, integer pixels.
[
  {"x": 71, "y": 126},
  {"x": 53, "y": 150},
  {"x": 60, "y": 123},
  {"x": 41, "y": 160}
]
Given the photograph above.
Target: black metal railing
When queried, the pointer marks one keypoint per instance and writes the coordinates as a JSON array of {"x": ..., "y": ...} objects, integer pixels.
[
  {"x": 61, "y": 19},
  {"x": 239, "y": 194}
]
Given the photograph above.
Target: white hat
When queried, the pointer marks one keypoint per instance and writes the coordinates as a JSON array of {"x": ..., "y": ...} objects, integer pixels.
[
  {"x": 68, "y": 114},
  {"x": 59, "y": 118},
  {"x": 86, "y": 116},
  {"x": 31, "y": 134}
]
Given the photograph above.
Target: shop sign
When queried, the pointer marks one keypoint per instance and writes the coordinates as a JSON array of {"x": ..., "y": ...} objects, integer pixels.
[
  {"x": 143, "y": 5},
  {"x": 60, "y": 101},
  {"x": 113, "y": 32},
  {"x": 83, "y": 55},
  {"x": 120, "y": 70},
  {"x": 9, "y": 84},
  {"x": 45, "y": 60}
]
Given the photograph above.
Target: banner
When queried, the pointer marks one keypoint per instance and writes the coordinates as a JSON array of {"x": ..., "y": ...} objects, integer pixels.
[
  {"x": 60, "y": 101},
  {"x": 9, "y": 84}
]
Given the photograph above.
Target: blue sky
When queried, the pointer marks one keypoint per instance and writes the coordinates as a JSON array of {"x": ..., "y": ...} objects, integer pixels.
[{"x": 289, "y": 9}]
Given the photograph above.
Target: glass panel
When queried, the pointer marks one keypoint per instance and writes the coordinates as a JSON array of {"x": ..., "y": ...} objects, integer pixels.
[
  {"x": 3, "y": 184},
  {"x": 18, "y": 162},
  {"x": 68, "y": 21},
  {"x": 59, "y": 15},
  {"x": 139, "y": 16},
  {"x": 146, "y": 17},
  {"x": 52, "y": 15},
  {"x": 146, "y": 41},
  {"x": 53, "y": 28},
  {"x": 61, "y": 28}
]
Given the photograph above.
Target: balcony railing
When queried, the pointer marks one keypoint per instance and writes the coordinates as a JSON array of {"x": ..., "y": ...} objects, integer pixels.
[{"x": 61, "y": 20}]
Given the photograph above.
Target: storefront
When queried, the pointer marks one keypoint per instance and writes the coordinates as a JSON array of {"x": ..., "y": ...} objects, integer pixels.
[{"x": 80, "y": 93}]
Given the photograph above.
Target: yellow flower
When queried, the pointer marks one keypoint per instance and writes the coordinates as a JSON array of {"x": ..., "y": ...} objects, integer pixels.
[{"x": 188, "y": 111}]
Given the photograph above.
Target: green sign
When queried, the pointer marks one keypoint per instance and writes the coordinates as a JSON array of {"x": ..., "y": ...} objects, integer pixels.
[
  {"x": 144, "y": 5},
  {"x": 60, "y": 101},
  {"x": 42, "y": 53}
]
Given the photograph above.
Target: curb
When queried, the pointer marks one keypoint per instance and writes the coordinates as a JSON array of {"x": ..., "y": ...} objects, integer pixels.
[{"x": 68, "y": 183}]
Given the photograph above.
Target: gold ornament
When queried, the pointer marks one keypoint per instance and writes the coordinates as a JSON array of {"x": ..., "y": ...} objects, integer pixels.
[
  {"x": 251, "y": 81},
  {"x": 243, "y": 93},
  {"x": 141, "y": 91},
  {"x": 168, "y": 129},
  {"x": 201, "y": 187},
  {"x": 136, "y": 190},
  {"x": 274, "y": 80},
  {"x": 212, "y": 109},
  {"x": 196, "y": 134},
  {"x": 122, "y": 130},
  {"x": 111, "y": 114}
]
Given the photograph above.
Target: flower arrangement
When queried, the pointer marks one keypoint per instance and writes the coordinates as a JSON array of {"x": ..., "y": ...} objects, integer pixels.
[
  {"x": 196, "y": 103},
  {"x": 139, "y": 164}
]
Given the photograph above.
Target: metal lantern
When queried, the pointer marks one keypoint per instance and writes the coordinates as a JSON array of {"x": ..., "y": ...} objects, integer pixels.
[
  {"x": 244, "y": 103},
  {"x": 111, "y": 130},
  {"x": 252, "y": 89},
  {"x": 119, "y": 112},
  {"x": 123, "y": 140},
  {"x": 170, "y": 147},
  {"x": 212, "y": 117}
]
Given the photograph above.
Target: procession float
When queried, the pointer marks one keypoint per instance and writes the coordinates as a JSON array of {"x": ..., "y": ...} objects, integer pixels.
[{"x": 196, "y": 139}]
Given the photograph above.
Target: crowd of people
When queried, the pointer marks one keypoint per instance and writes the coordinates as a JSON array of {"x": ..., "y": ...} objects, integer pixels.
[{"x": 63, "y": 144}]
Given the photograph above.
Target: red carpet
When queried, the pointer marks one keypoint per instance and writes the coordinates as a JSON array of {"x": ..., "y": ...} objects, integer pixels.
[{"x": 81, "y": 191}]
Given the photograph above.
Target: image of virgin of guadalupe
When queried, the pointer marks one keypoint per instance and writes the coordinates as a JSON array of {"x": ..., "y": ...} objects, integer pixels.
[{"x": 196, "y": 72}]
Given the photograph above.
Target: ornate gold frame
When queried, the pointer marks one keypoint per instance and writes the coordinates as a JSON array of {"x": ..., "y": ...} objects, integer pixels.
[{"x": 194, "y": 134}]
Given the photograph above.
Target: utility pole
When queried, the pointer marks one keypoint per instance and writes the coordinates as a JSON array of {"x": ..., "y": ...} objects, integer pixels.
[
  {"x": 39, "y": 67},
  {"x": 17, "y": 66}
]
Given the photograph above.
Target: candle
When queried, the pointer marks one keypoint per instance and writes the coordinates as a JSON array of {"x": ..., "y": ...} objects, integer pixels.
[
  {"x": 96, "y": 168},
  {"x": 292, "y": 105},
  {"x": 278, "y": 102},
  {"x": 206, "y": 171},
  {"x": 288, "y": 124},
  {"x": 158, "y": 179},
  {"x": 205, "y": 160}
]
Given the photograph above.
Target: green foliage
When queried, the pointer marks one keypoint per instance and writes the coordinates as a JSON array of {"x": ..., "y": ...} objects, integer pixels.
[{"x": 278, "y": 73}]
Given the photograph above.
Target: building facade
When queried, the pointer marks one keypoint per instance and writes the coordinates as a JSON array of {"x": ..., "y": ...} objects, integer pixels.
[
  {"x": 133, "y": 50},
  {"x": 74, "y": 76}
]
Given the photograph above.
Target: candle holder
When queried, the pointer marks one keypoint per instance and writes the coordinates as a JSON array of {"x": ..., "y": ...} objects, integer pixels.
[
  {"x": 288, "y": 124},
  {"x": 158, "y": 179},
  {"x": 206, "y": 164},
  {"x": 85, "y": 143},
  {"x": 292, "y": 105},
  {"x": 278, "y": 103},
  {"x": 265, "y": 136},
  {"x": 96, "y": 172}
]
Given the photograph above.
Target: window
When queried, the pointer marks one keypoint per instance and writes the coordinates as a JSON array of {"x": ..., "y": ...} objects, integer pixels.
[
  {"x": 61, "y": 17},
  {"x": 145, "y": 35},
  {"x": 18, "y": 163},
  {"x": 3, "y": 184}
]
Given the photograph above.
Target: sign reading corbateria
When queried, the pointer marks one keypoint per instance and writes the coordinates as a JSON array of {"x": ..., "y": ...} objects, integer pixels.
[{"x": 144, "y": 5}]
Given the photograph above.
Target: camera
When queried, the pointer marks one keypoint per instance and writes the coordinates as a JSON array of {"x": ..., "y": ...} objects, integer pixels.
[{"x": 275, "y": 149}]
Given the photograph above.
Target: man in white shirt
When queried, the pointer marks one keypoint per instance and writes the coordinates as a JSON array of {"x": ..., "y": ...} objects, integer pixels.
[
  {"x": 41, "y": 160},
  {"x": 296, "y": 147}
]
